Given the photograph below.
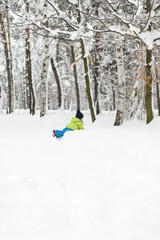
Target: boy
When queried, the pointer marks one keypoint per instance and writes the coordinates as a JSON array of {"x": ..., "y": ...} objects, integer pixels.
[{"x": 76, "y": 123}]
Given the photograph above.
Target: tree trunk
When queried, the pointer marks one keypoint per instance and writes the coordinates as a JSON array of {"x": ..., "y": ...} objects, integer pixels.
[
  {"x": 114, "y": 98},
  {"x": 29, "y": 69},
  {"x": 157, "y": 87},
  {"x": 10, "y": 57},
  {"x": 88, "y": 90},
  {"x": 97, "y": 94},
  {"x": 148, "y": 97},
  {"x": 85, "y": 64},
  {"x": 158, "y": 98},
  {"x": 31, "y": 94},
  {"x": 6, "y": 50},
  {"x": 1, "y": 97},
  {"x": 75, "y": 78},
  {"x": 57, "y": 82},
  {"x": 97, "y": 65},
  {"x": 43, "y": 91},
  {"x": 121, "y": 79}
]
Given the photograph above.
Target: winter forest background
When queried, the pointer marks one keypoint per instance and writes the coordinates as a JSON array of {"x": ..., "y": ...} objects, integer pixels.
[
  {"x": 102, "y": 57},
  {"x": 76, "y": 54}
]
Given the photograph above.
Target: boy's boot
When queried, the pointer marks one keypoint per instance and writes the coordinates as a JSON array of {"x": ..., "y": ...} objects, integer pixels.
[{"x": 54, "y": 133}]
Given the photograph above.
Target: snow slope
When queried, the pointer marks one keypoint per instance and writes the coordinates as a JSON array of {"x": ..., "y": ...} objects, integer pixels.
[{"x": 96, "y": 184}]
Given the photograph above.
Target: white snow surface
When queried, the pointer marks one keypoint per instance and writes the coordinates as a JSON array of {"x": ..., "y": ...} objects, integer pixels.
[{"x": 95, "y": 184}]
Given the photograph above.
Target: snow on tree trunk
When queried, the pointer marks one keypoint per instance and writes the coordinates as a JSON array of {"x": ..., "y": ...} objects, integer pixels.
[
  {"x": 121, "y": 79},
  {"x": 43, "y": 88},
  {"x": 43, "y": 100},
  {"x": 75, "y": 78}
]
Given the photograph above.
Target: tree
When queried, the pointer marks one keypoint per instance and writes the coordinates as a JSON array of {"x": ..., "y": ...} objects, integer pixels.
[
  {"x": 43, "y": 91},
  {"x": 85, "y": 64},
  {"x": 60, "y": 100},
  {"x": 148, "y": 97},
  {"x": 29, "y": 68},
  {"x": 8, "y": 63},
  {"x": 88, "y": 89},
  {"x": 138, "y": 91},
  {"x": 121, "y": 80},
  {"x": 157, "y": 85},
  {"x": 75, "y": 78},
  {"x": 138, "y": 26},
  {"x": 1, "y": 98},
  {"x": 96, "y": 59},
  {"x": 10, "y": 55}
]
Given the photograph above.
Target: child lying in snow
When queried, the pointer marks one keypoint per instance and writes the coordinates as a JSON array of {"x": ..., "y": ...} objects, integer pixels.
[{"x": 76, "y": 123}]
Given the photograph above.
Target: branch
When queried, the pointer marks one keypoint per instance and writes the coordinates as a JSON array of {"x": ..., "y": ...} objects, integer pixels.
[
  {"x": 53, "y": 6},
  {"x": 110, "y": 4},
  {"x": 69, "y": 24},
  {"x": 156, "y": 39},
  {"x": 140, "y": 38},
  {"x": 75, "y": 29},
  {"x": 157, "y": 8},
  {"x": 114, "y": 13},
  {"x": 147, "y": 19},
  {"x": 52, "y": 36},
  {"x": 34, "y": 23},
  {"x": 104, "y": 24},
  {"x": 132, "y": 3},
  {"x": 25, "y": 18},
  {"x": 134, "y": 15}
]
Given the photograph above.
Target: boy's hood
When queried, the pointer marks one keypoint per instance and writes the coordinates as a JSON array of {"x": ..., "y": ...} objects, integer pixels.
[{"x": 76, "y": 119}]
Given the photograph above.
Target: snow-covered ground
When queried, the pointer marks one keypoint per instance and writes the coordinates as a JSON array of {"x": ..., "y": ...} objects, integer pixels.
[{"x": 101, "y": 183}]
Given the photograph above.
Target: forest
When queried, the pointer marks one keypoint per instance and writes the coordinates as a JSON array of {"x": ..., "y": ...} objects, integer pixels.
[
  {"x": 99, "y": 182},
  {"x": 81, "y": 54}
]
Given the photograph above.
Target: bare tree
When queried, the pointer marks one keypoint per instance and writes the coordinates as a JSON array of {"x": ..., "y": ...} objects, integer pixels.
[
  {"x": 1, "y": 98},
  {"x": 54, "y": 69},
  {"x": 121, "y": 80},
  {"x": 88, "y": 89},
  {"x": 157, "y": 86},
  {"x": 43, "y": 88},
  {"x": 87, "y": 79},
  {"x": 148, "y": 97},
  {"x": 29, "y": 68},
  {"x": 96, "y": 59},
  {"x": 75, "y": 78},
  {"x": 8, "y": 63},
  {"x": 10, "y": 55}
]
